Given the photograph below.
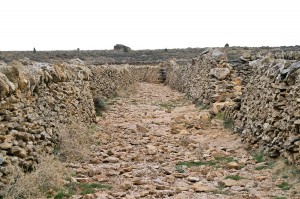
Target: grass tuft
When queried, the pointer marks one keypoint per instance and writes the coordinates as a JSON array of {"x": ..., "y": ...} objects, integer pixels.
[
  {"x": 285, "y": 186},
  {"x": 217, "y": 163},
  {"x": 234, "y": 177},
  {"x": 228, "y": 123},
  {"x": 259, "y": 156}
]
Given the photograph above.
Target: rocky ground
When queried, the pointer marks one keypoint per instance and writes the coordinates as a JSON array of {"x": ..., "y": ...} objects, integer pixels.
[{"x": 156, "y": 144}]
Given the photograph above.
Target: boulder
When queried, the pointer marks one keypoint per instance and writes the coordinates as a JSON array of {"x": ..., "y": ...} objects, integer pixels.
[{"x": 219, "y": 73}]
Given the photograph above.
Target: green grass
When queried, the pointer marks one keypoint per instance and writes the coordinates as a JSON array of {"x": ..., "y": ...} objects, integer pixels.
[
  {"x": 171, "y": 104},
  {"x": 259, "y": 168},
  {"x": 179, "y": 168},
  {"x": 167, "y": 105},
  {"x": 220, "y": 116},
  {"x": 220, "y": 190},
  {"x": 269, "y": 165},
  {"x": 228, "y": 123},
  {"x": 259, "y": 156},
  {"x": 73, "y": 188},
  {"x": 225, "y": 159},
  {"x": 234, "y": 177},
  {"x": 91, "y": 188},
  {"x": 295, "y": 171},
  {"x": 285, "y": 186},
  {"x": 218, "y": 162},
  {"x": 61, "y": 195},
  {"x": 202, "y": 106},
  {"x": 279, "y": 197}
]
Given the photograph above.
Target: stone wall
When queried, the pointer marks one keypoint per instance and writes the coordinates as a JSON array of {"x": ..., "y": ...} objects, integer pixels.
[
  {"x": 106, "y": 79},
  {"x": 208, "y": 80},
  {"x": 269, "y": 113},
  {"x": 261, "y": 96},
  {"x": 38, "y": 100}
]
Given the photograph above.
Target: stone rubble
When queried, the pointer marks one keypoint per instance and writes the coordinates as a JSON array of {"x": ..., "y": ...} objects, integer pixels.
[
  {"x": 147, "y": 161},
  {"x": 40, "y": 100},
  {"x": 259, "y": 94}
]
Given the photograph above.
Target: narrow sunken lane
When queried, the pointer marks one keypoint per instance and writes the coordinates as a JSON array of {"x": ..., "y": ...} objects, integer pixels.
[{"x": 156, "y": 144}]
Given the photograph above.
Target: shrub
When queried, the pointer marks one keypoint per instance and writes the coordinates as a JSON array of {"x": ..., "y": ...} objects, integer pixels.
[
  {"x": 75, "y": 142},
  {"x": 48, "y": 176},
  {"x": 100, "y": 105}
]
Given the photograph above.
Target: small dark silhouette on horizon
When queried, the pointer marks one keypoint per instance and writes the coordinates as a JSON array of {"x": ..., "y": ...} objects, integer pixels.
[
  {"x": 34, "y": 50},
  {"x": 121, "y": 47}
]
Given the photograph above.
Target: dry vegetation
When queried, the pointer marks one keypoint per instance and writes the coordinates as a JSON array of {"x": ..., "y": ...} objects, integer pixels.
[
  {"x": 50, "y": 175},
  {"x": 75, "y": 142}
]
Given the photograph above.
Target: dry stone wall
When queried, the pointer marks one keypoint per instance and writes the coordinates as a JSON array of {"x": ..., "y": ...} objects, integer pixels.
[
  {"x": 260, "y": 94},
  {"x": 38, "y": 100},
  {"x": 106, "y": 79},
  {"x": 270, "y": 111},
  {"x": 209, "y": 79}
]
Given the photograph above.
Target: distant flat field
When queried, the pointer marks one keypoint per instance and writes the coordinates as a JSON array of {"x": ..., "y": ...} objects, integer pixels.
[{"x": 134, "y": 56}]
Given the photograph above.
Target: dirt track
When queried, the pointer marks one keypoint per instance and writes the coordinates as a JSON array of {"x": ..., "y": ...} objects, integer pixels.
[{"x": 156, "y": 144}]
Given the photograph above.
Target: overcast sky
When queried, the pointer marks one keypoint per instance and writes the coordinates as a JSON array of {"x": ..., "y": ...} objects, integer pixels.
[{"x": 151, "y": 24}]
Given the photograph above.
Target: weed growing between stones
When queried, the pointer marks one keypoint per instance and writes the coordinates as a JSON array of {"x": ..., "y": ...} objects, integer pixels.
[
  {"x": 202, "y": 106},
  {"x": 285, "y": 186},
  {"x": 179, "y": 168},
  {"x": 171, "y": 104},
  {"x": 220, "y": 190},
  {"x": 227, "y": 121},
  {"x": 218, "y": 162},
  {"x": 234, "y": 177},
  {"x": 73, "y": 188},
  {"x": 205, "y": 107},
  {"x": 258, "y": 156}
]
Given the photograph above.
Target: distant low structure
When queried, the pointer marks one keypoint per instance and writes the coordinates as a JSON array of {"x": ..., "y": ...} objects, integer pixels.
[{"x": 121, "y": 47}]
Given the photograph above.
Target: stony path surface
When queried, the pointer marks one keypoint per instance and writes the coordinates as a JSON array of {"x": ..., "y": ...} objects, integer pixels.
[{"x": 156, "y": 144}]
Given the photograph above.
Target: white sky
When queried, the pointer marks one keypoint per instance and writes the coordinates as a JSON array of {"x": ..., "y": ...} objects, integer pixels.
[{"x": 151, "y": 24}]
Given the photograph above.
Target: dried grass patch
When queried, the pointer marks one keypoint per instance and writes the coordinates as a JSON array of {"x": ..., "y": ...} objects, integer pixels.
[
  {"x": 47, "y": 177},
  {"x": 75, "y": 142},
  {"x": 128, "y": 90}
]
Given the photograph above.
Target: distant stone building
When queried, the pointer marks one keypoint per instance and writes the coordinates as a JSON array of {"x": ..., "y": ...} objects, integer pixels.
[{"x": 121, "y": 47}]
